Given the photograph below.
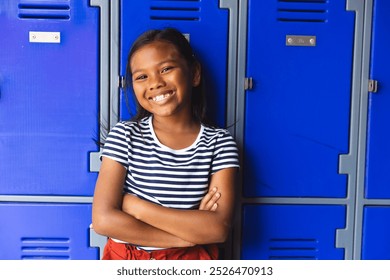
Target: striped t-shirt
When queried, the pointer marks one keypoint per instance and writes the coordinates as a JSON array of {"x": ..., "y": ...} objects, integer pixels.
[{"x": 172, "y": 178}]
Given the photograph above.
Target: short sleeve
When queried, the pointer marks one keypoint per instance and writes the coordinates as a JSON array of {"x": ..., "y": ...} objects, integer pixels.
[
  {"x": 116, "y": 144},
  {"x": 226, "y": 152}
]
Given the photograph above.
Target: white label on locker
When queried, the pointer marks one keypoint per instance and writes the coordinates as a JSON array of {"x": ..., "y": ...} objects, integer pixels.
[{"x": 44, "y": 37}]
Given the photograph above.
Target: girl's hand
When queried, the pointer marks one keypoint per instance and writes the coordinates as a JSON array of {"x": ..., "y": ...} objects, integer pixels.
[{"x": 209, "y": 201}]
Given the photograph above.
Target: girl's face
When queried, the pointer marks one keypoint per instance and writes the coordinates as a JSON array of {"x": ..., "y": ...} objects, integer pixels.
[{"x": 163, "y": 80}]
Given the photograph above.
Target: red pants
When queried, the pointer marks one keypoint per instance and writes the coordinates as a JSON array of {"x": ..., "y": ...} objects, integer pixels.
[{"x": 123, "y": 251}]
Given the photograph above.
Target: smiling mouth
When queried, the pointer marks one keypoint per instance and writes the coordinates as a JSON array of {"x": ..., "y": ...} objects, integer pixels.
[{"x": 160, "y": 97}]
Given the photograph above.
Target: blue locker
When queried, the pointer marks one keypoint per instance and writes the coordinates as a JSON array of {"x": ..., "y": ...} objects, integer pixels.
[
  {"x": 297, "y": 114},
  {"x": 48, "y": 96},
  {"x": 292, "y": 232},
  {"x": 207, "y": 27},
  {"x": 376, "y": 232},
  {"x": 378, "y": 148},
  {"x": 45, "y": 231}
]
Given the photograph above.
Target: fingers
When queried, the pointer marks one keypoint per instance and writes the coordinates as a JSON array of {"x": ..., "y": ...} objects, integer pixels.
[
  {"x": 209, "y": 202},
  {"x": 206, "y": 199},
  {"x": 214, "y": 207}
]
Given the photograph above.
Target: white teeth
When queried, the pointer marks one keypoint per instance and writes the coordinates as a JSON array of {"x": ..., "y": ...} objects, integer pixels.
[{"x": 160, "y": 97}]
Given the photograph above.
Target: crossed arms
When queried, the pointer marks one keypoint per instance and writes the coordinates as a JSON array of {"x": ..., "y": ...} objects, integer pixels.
[{"x": 140, "y": 222}]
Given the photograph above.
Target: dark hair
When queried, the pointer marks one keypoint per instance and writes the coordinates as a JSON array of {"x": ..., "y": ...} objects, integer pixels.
[{"x": 178, "y": 40}]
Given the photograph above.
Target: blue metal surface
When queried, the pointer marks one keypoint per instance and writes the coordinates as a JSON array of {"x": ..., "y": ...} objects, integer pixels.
[
  {"x": 291, "y": 232},
  {"x": 45, "y": 231},
  {"x": 207, "y": 26},
  {"x": 297, "y": 115},
  {"x": 378, "y": 148},
  {"x": 48, "y": 98},
  {"x": 376, "y": 232}
]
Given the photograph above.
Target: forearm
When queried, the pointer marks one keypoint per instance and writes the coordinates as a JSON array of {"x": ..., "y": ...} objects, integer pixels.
[
  {"x": 108, "y": 218},
  {"x": 199, "y": 227},
  {"x": 196, "y": 226},
  {"x": 119, "y": 225}
]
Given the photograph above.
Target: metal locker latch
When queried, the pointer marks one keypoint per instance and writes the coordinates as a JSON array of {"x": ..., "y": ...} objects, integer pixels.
[
  {"x": 248, "y": 83},
  {"x": 122, "y": 82},
  {"x": 373, "y": 86}
]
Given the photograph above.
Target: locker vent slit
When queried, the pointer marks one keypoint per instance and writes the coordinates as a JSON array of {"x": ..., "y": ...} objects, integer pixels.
[
  {"x": 294, "y": 239},
  {"x": 44, "y": 239},
  {"x": 176, "y": 10},
  {"x": 300, "y": 20},
  {"x": 33, "y": 248},
  {"x": 302, "y": 11},
  {"x": 54, "y": 11},
  {"x": 45, "y": 257},
  {"x": 291, "y": 258},
  {"x": 309, "y": 11},
  {"x": 41, "y": 248},
  {"x": 44, "y": 6},
  {"x": 174, "y": 18},
  {"x": 293, "y": 249}
]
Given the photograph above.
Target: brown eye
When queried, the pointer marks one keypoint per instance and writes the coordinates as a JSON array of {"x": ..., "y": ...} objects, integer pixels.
[
  {"x": 166, "y": 69},
  {"x": 140, "y": 77}
]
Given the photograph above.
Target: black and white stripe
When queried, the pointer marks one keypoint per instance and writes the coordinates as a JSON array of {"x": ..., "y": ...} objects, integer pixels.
[{"x": 172, "y": 178}]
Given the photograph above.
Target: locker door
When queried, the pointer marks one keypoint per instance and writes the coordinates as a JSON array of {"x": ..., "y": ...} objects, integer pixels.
[
  {"x": 45, "y": 231},
  {"x": 376, "y": 231},
  {"x": 297, "y": 114},
  {"x": 291, "y": 232},
  {"x": 378, "y": 147},
  {"x": 48, "y": 96},
  {"x": 207, "y": 27}
]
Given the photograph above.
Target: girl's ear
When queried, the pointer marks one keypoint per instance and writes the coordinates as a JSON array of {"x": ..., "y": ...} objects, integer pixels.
[{"x": 196, "y": 74}]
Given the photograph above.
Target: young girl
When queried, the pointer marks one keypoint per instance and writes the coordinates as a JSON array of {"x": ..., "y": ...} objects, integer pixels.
[{"x": 166, "y": 184}]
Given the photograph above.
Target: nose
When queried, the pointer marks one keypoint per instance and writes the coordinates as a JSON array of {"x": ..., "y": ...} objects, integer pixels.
[{"x": 156, "y": 82}]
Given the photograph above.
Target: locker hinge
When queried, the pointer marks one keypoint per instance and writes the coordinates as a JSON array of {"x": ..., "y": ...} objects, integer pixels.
[
  {"x": 122, "y": 82},
  {"x": 248, "y": 83},
  {"x": 373, "y": 86}
]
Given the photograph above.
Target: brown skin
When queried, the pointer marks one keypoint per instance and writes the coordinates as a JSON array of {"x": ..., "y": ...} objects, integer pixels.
[
  {"x": 199, "y": 227},
  {"x": 158, "y": 69},
  {"x": 163, "y": 82}
]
